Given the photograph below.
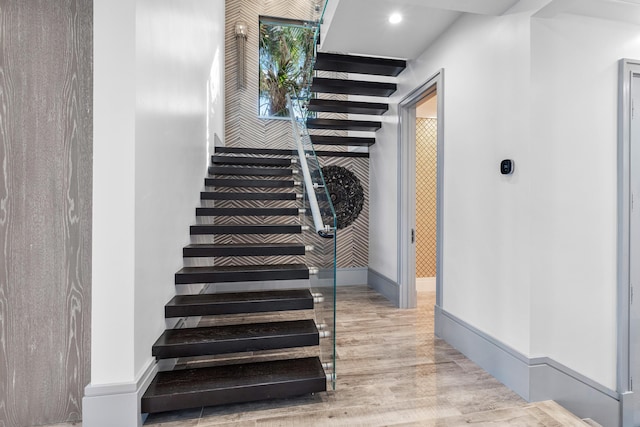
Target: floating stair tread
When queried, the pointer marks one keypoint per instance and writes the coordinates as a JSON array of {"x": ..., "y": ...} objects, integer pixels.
[
  {"x": 244, "y": 273},
  {"x": 262, "y": 183},
  {"x": 350, "y": 107},
  {"x": 275, "y": 151},
  {"x": 201, "y": 341},
  {"x": 259, "y": 161},
  {"x": 256, "y": 151},
  {"x": 352, "y": 87},
  {"x": 336, "y": 124},
  {"x": 249, "y": 171},
  {"x": 247, "y": 212},
  {"x": 342, "y": 140},
  {"x": 359, "y": 64},
  {"x": 245, "y": 229},
  {"x": 216, "y": 195},
  {"x": 220, "y": 385},
  {"x": 243, "y": 249},
  {"x": 236, "y": 303}
]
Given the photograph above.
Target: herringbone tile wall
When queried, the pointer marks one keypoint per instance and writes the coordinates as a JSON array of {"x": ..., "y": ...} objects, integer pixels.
[
  {"x": 243, "y": 127},
  {"x": 426, "y": 161}
]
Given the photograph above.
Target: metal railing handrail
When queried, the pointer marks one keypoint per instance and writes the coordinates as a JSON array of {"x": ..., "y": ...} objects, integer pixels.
[{"x": 322, "y": 229}]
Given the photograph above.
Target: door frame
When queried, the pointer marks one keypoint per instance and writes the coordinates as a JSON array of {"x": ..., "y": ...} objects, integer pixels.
[
  {"x": 407, "y": 189},
  {"x": 629, "y": 69}
]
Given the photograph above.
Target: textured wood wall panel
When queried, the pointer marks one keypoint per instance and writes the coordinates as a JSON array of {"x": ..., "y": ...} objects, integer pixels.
[{"x": 45, "y": 209}]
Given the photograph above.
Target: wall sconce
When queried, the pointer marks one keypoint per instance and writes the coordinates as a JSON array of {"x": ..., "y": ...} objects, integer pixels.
[{"x": 241, "y": 37}]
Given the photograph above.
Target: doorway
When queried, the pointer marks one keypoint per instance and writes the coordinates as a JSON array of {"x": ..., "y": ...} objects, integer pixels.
[
  {"x": 629, "y": 241},
  {"x": 426, "y": 197},
  {"x": 429, "y": 93}
]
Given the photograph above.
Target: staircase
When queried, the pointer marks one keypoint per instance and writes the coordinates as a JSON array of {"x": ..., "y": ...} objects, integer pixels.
[
  {"x": 245, "y": 324},
  {"x": 244, "y": 290},
  {"x": 333, "y": 111}
]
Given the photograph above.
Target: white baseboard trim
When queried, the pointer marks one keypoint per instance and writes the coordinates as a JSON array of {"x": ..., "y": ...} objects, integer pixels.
[
  {"x": 108, "y": 405},
  {"x": 535, "y": 379},
  {"x": 351, "y": 276},
  {"x": 384, "y": 286}
]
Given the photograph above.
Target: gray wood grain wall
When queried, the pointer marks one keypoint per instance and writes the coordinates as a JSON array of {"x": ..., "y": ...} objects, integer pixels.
[{"x": 45, "y": 209}]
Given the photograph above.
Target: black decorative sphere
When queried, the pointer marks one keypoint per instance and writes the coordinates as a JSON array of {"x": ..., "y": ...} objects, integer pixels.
[{"x": 346, "y": 193}]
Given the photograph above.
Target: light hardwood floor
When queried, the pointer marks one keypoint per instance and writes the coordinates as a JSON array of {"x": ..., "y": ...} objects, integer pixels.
[{"x": 392, "y": 370}]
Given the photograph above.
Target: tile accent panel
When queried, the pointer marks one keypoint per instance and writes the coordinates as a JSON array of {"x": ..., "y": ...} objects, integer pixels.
[
  {"x": 426, "y": 168},
  {"x": 243, "y": 128}
]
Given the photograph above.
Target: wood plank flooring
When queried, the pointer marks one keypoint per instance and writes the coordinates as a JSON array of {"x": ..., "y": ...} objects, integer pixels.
[{"x": 392, "y": 370}]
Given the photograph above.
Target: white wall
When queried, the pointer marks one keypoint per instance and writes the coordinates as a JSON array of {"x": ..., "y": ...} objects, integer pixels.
[
  {"x": 112, "y": 311},
  {"x": 528, "y": 259},
  {"x": 486, "y": 234},
  {"x": 574, "y": 155},
  {"x": 157, "y": 86},
  {"x": 176, "y": 43}
]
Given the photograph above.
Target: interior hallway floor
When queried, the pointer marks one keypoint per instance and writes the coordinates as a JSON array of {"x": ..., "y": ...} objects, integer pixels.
[{"x": 392, "y": 370}]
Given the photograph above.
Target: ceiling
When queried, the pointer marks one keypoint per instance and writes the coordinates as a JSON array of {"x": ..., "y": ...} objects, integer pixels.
[
  {"x": 362, "y": 26},
  {"x": 615, "y": 10}
]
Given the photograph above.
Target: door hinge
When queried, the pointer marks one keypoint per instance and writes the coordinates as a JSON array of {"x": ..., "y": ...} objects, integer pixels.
[{"x": 413, "y": 235}]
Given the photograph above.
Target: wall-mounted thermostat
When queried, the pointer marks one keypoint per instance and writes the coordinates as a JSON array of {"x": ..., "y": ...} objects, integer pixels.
[{"x": 506, "y": 167}]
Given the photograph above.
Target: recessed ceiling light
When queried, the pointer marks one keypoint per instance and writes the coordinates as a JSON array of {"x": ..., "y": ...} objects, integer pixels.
[{"x": 395, "y": 18}]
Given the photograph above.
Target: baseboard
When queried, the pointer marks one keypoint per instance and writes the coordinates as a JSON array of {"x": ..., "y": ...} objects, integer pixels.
[
  {"x": 351, "y": 276},
  {"x": 108, "y": 405},
  {"x": 384, "y": 286},
  {"x": 504, "y": 363},
  {"x": 534, "y": 379},
  {"x": 552, "y": 381}
]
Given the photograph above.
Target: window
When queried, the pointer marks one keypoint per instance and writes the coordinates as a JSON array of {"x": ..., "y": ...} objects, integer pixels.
[{"x": 286, "y": 53}]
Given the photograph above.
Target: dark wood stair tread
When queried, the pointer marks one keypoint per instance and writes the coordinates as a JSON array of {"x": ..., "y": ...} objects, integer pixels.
[
  {"x": 194, "y": 388},
  {"x": 359, "y": 64},
  {"x": 242, "y": 249},
  {"x": 245, "y": 229},
  {"x": 353, "y": 141},
  {"x": 241, "y": 302},
  {"x": 350, "y": 107},
  {"x": 276, "y": 151},
  {"x": 263, "y": 183},
  {"x": 249, "y": 171},
  {"x": 218, "y": 195},
  {"x": 337, "y": 124},
  {"x": 201, "y": 341},
  {"x": 247, "y": 212},
  {"x": 352, "y": 87},
  {"x": 245, "y": 273},
  {"x": 243, "y": 160}
]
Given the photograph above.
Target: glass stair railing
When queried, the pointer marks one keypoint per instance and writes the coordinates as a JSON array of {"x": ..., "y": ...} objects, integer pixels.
[
  {"x": 319, "y": 221},
  {"x": 319, "y": 237}
]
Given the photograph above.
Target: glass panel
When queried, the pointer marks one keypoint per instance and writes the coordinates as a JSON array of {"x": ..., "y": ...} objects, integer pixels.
[{"x": 320, "y": 238}]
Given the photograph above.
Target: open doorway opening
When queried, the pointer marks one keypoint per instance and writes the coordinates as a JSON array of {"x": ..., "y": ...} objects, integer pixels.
[
  {"x": 426, "y": 192},
  {"x": 420, "y": 174}
]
